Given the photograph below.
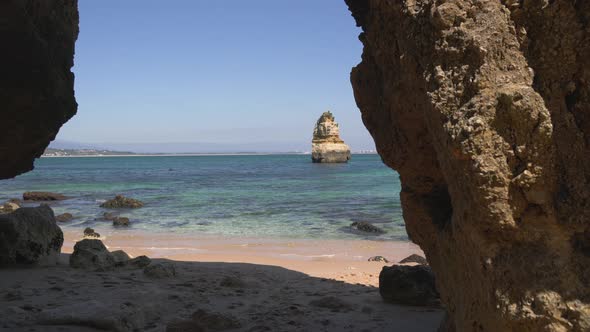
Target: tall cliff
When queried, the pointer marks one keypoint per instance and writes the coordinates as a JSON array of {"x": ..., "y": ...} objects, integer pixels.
[
  {"x": 482, "y": 106},
  {"x": 327, "y": 146},
  {"x": 36, "y": 84}
]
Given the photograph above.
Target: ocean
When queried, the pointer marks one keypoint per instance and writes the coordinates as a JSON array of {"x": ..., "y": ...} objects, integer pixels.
[{"x": 269, "y": 196}]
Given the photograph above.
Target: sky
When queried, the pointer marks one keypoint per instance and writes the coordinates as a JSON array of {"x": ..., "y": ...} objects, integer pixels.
[{"x": 186, "y": 75}]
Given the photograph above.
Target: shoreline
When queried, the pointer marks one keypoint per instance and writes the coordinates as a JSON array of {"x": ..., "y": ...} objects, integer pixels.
[{"x": 343, "y": 260}]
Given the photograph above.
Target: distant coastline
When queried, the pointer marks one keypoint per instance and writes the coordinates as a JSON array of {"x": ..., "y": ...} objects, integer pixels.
[{"x": 89, "y": 153}]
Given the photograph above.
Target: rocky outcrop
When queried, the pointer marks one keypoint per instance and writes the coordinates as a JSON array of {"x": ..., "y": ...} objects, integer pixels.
[
  {"x": 409, "y": 285},
  {"x": 121, "y": 202},
  {"x": 30, "y": 236},
  {"x": 482, "y": 108},
  {"x": 327, "y": 147},
  {"x": 36, "y": 84}
]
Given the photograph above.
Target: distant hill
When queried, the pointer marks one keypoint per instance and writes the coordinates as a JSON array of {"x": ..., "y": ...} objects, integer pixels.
[{"x": 50, "y": 152}]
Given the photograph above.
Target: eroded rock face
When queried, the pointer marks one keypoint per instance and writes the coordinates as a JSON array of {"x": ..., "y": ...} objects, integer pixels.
[
  {"x": 36, "y": 85},
  {"x": 483, "y": 109},
  {"x": 327, "y": 146}
]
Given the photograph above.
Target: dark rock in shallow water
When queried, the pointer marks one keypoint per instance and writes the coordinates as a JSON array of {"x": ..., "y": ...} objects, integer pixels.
[
  {"x": 414, "y": 259},
  {"x": 378, "y": 259},
  {"x": 30, "y": 236},
  {"x": 121, "y": 221},
  {"x": 122, "y": 202},
  {"x": 409, "y": 285},
  {"x": 64, "y": 217},
  {"x": 89, "y": 232},
  {"x": 110, "y": 216},
  {"x": 366, "y": 227},
  {"x": 43, "y": 196},
  {"x": 91, "y": 254}
]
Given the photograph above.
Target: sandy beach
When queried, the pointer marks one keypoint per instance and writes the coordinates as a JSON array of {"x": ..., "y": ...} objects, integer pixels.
[
  {"x": 238, "y": 284},
  {"x": 334, "y": 259}
]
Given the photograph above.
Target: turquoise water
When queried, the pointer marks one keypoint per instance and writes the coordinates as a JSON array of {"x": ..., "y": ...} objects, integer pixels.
[{"x": 264, "y": 196}]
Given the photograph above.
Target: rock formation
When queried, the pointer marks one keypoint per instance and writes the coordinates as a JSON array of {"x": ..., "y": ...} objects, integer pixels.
[
  {"x": 36, "y": 84},
  {"x": 30, "y": 236},
  {"x": 482, "y": 107},
  {"x": 326, "y": 146}
]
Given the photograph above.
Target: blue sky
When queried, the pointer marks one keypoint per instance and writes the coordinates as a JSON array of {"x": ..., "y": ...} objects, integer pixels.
[{"x": 256, "y": 73}]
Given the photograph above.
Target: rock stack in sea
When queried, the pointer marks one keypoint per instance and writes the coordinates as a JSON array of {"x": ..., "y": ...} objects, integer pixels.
[{"x": 327, "y": 147}]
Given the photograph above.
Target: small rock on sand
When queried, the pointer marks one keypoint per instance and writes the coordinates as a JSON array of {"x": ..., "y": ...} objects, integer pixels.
[
  {"x": 409, "y": 285},
  {"x": 90, "y": 253},
  {"x": 139, "y": 262},
  {"x": 414, "y": 259},
  {"x": 90, "y": 233},
  {"x": 120, "y": 256},
  {"x": 378, "y": 259}
]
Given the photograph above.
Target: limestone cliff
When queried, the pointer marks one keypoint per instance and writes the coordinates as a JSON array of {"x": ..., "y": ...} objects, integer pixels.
[
  {"x": 36, "y": 84},
  {"x": 327, "y": 146},
  {"x": 482, "y": 106}
]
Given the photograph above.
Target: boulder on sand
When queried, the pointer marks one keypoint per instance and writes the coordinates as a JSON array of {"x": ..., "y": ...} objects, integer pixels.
[
  {"x": 43, "y": 196},
  {"x": 91, "y": 254},
  {"x": 122, "y": 202},
  {"x": 408, "y": 285},
  {"x": 30, "y": 236},
  {"x": 413, "y": 258}
]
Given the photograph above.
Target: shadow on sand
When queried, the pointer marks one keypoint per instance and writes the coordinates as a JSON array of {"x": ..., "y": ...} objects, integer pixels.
[{"x": 232, "y": 296}]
